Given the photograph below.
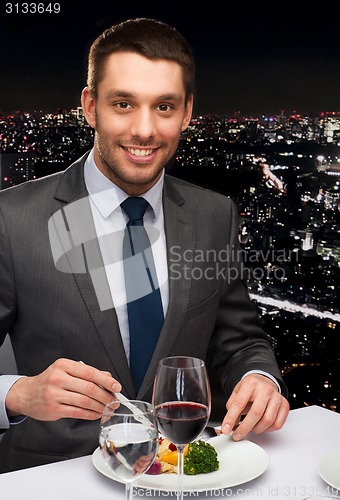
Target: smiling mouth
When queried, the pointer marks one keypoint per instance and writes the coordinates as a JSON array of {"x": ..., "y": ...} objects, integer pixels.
[{"x": 140, "y": 152}]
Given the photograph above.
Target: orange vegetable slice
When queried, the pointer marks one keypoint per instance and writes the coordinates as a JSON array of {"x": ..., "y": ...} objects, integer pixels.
[{"x": 172, "y": 456}]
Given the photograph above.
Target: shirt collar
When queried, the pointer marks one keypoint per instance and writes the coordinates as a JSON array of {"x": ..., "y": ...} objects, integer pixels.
[{"x": 107, "y": 196}]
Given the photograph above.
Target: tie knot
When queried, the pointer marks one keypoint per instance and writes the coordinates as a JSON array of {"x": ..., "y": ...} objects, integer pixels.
[{"x": 135, "y": 208}]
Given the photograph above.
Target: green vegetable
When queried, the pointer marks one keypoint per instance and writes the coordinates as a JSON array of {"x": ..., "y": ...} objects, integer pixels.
[{"x": 200, "y": 459}]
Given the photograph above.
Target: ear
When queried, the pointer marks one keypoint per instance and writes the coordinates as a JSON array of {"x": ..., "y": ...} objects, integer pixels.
[
  {"x": 187, "y": 113},
  {"x": 89, "y": 106}
]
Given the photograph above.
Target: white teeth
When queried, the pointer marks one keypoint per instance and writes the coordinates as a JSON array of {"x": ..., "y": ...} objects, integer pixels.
[{"x": 140, "y": 152}]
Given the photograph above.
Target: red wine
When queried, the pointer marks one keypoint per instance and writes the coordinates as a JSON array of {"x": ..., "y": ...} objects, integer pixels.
[{"x": 181, "y": 421}]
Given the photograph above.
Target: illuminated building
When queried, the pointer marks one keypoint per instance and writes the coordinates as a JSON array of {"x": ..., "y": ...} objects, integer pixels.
[{"x": 16, "y": 168}]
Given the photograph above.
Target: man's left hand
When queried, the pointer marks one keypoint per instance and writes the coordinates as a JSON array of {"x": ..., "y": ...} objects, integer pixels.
[{"x": 258, "y": 398}]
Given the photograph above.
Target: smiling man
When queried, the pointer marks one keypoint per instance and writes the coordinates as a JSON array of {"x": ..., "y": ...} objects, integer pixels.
[
  {"x": 122, "y": 299},
  {"x": 138, "y": 111}
]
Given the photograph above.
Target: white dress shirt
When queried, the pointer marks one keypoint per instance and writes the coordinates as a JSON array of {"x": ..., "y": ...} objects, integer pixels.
[{"x": 109, "y": 218}]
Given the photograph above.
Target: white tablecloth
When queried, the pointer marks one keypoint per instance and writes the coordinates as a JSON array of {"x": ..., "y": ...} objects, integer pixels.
[{"x": 294, "y": 451}]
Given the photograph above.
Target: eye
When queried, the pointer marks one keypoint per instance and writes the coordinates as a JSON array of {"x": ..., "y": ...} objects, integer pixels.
[
  {"x": 123, "y": 105},
  {"x": 164, "y": 107}
]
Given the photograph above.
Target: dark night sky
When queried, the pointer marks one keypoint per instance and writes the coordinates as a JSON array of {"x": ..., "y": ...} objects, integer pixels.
[{"x": 256, "y": 57}]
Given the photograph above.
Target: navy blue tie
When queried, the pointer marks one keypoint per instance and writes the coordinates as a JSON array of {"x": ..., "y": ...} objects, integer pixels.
[{"x": 144, "y": 304}]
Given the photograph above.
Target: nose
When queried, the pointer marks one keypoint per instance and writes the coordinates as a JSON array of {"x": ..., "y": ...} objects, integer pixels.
[{"x": 143, "y": 124}]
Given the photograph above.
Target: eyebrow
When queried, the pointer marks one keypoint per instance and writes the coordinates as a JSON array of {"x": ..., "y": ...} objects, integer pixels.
[
  {"x": 119, "y": 93},
  {"x": 114, "y": 93},
  {"x": 170, "y": 97}
]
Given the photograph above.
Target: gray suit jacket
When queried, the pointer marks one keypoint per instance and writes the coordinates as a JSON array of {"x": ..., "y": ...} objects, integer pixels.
[{"x": 50, "y": 314}]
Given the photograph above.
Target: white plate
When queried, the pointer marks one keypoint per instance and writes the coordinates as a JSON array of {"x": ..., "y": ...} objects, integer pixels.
[
  {"x": 329, "y": 468},
  {"x": 239, "y": 462}
]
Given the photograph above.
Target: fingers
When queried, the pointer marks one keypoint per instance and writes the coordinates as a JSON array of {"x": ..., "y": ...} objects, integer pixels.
[
  {"x": 86, "y": 388},
  {"x": 87, "y": 372},
  {"x": 265, "y": 408},
  {"x": 66, "y": 389},
  {"x": 85, "y": 395},
  {"x": 260, "y": 417},
  {"x": 273, "y": 421}
]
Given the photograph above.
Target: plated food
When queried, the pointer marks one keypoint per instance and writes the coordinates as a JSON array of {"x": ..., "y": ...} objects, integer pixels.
[
  {"x": 200, "y": 457},
  {"x": 240, "y": 462}
]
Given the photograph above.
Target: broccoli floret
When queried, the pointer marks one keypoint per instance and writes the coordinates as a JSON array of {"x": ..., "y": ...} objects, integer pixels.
[{"x": 201, "y": 458}]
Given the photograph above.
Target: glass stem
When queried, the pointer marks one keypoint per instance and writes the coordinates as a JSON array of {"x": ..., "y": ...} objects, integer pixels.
[
  {"x": 128, "y": 491},
  {"x": 180, "y": 471}
]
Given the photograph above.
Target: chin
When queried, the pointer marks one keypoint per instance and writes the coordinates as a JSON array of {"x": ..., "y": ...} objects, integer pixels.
[{"x": 142, "y": 175}]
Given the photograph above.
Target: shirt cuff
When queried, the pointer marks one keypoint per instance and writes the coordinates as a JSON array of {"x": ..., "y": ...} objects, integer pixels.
[
  {"x": 268, "y": 375},
  {"x": 6, "y": 382}
]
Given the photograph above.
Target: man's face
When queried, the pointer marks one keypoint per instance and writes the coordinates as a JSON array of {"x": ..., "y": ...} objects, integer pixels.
[{"x": 138, "y": 116}]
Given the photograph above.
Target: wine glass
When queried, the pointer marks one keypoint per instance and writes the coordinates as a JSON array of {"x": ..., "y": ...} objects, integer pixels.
[
  {"x": 128, "y": 439},
  {"x": 182, "y": 402}
]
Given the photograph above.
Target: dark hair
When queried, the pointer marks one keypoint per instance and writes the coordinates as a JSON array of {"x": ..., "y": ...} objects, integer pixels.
[{"x": 148, "y": 37}]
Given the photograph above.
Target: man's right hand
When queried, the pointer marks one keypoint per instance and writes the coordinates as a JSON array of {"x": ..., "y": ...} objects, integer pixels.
[{"x": 66, "y": 389}]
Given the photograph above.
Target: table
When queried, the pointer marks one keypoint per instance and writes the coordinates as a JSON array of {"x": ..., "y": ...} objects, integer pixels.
[{"x": 294, "y": 452}]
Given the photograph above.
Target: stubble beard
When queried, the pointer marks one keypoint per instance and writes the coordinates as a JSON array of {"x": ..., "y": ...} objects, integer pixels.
[{"x": 124, "y": 177}]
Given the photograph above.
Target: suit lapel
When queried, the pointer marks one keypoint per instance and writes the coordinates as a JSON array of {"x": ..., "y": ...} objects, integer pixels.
[
  {"x": 106, "y": 325},
  {"x": 82, "y": 248},
  {"x": 180, "y": 236}
]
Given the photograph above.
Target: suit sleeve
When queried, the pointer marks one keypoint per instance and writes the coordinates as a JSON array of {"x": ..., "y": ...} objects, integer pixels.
[
  {"x": 239, "y": 343},
  {"x": 7, "y": 283},
  {"x": 7, "y": 311}
]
